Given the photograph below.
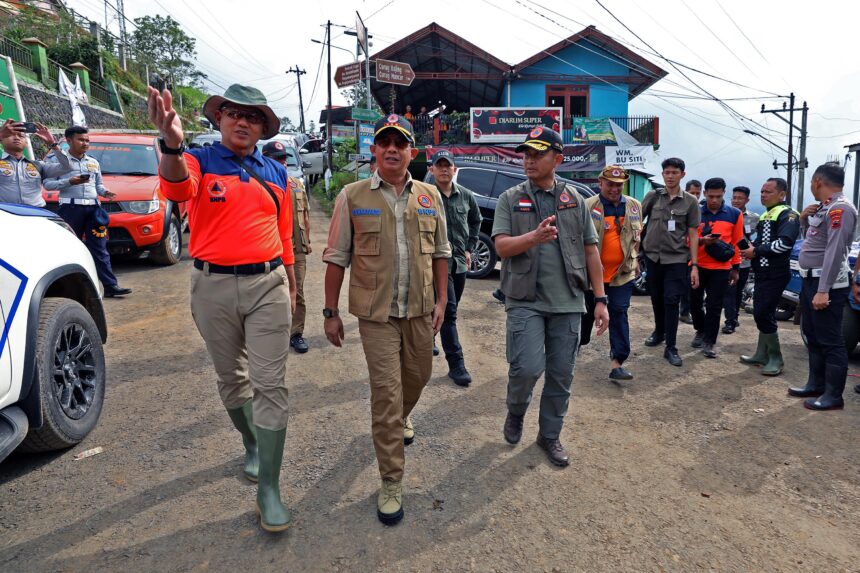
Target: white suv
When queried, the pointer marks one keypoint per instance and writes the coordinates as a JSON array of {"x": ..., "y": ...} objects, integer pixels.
[{"x": 52, "y": 365}]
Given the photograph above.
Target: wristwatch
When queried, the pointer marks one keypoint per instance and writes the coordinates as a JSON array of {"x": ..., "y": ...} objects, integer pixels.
[
  {"x": 170, "y": 150},
  {"x": 603, "y": 299},
  {"x": 330, "y": 312}
]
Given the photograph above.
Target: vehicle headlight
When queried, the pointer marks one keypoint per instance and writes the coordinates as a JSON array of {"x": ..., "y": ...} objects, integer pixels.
[
  {"x": 141, "y": 207},
  {"x": 63, "y": 224}
]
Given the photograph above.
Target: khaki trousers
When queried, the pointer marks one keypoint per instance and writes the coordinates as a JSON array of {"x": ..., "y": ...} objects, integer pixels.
[
  {"x": 244, "y": 321},
  {"x": 399, "y": 356},
  {"x": 300, "y": 268}
]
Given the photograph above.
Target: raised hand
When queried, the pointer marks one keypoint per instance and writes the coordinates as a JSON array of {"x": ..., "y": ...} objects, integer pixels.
[
  {"x": 44, "y": 134},
  {"x": 10, "y": 127},
  {"x": 164, "y": 117}
]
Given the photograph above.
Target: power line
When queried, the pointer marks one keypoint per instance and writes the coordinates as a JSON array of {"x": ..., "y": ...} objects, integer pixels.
[
  {"x": 735, "y": 114},
  {"x": 720, "y": 40}
]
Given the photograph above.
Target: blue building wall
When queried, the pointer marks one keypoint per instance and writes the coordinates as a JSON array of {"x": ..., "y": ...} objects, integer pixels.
[{"x": 604, "y": 100}]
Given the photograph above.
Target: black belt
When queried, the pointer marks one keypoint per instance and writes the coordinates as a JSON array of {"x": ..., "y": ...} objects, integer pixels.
[{"x": 249, "y": 269}]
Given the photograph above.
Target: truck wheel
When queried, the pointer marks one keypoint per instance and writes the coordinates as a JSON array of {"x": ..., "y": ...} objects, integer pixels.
[
  {"x": 850, "y": 328},
  {"x": 69, "y": 376},
  {"x": 169, "y": 250},
  {"x": 483, "y": 258}
]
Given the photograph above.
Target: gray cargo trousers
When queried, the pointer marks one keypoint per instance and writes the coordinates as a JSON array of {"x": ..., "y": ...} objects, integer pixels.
[{"x": 541, "y": 343}]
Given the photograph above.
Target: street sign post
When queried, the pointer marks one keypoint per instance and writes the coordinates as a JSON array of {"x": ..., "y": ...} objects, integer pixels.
[
  {"x": 362, "y": 114},
  {"x": 399, "y": 73},
  {"x": 348, "y": 75}
]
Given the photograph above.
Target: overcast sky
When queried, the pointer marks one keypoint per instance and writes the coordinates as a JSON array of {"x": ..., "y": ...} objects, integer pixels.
[{"x": 771, "y": 46}]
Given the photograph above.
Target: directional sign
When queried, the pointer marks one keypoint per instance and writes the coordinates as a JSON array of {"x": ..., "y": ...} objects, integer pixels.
[
  {"x": 348, "y": 75},
  {"x": 363, "y": 114},
  {"x": 359, "y": 157},
  {"x": 399, "y": 73}
]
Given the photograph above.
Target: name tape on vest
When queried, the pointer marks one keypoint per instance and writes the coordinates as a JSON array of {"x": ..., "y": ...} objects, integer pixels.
[{"x": 359, "y": 212}]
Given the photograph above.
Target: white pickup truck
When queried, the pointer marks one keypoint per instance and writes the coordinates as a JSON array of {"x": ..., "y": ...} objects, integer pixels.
[{"x": 52, "y": 364}]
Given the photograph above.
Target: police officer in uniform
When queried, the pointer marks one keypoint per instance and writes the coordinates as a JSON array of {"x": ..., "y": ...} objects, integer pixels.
[
  {"x": 391, "y": 230},
  {"x": 734, "y": 294},
  {"x": 548, "y": 246},
  {"x": 301, "y": 244},
  {"x": 770, "y": 254},
  {"x": 20, "y": 178},
  {"x": 80, "y": 190},
  {"x": 618, "y": 223},
  {"x": 829, "y": 230}
]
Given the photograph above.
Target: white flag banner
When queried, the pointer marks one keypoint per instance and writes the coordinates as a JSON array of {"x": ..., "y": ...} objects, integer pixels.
[
  {"x": 79, "y": 91},
  {"x": 71, "y": 91},
  {"x": 638, "y": 157}
]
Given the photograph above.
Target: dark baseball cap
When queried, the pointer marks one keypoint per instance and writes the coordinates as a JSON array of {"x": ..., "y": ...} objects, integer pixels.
[
  {"x": 397, "y": 122},
  {"x": 541, "y": 139},
  {"x": 275, "y": 150},
  {"x": 443, "y": 154}
]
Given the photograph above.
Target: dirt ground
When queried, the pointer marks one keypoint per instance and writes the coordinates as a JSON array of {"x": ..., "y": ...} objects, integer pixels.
[{"x": 706, "y": 467}]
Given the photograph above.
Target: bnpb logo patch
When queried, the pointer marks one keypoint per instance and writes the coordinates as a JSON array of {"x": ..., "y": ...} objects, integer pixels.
[
  {"x": 536, "y": 132},
  {"x": 216, "y": 188},
  {"x": 425, "y": 201}
]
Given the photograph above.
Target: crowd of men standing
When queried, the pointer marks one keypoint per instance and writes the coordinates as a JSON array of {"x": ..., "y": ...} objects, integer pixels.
[{"x": 568, "y": 268}]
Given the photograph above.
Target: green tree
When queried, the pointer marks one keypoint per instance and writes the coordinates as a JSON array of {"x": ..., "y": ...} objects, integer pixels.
[
  {"x": 163, "y": 43},
  {"x": 356, "y": 96},
  {"x": 287, "y": 124}
]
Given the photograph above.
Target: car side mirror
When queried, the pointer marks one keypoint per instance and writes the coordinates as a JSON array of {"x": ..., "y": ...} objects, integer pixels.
[{"x": 307, "y": 164}]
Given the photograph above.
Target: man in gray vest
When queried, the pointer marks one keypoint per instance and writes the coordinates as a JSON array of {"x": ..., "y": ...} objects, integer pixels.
[
  {"x": 548, "y": 246},
  {"x": 829, "y": 230},
  {"x": 20, "y": 178}
]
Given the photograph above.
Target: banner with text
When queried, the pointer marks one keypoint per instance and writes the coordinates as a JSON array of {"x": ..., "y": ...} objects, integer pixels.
[
  {"x": 510, "y": 125},
  {"x": 592, "y": 129},
  {"x": 639, "y": 157}
]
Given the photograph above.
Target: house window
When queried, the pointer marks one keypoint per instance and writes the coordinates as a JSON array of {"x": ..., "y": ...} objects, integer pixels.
[{"x": 572, "y": 99}]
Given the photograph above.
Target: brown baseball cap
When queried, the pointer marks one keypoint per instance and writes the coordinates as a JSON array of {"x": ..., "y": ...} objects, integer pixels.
[{"x": 614, "y": 173}]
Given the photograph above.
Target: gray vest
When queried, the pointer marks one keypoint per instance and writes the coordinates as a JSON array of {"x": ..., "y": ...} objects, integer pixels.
[{"x": 519, "y": 273}]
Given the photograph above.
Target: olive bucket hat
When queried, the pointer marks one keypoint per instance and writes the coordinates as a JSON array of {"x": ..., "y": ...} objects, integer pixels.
[{"x": 248, "y": 97}]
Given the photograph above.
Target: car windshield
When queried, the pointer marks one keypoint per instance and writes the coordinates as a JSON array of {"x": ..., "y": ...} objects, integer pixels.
[
  {"x": 125, "y": 159},
  {"x": 292, "y": 160}
]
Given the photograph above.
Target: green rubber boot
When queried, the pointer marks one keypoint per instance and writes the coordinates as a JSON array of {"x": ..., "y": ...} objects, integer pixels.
[
  {"x": 273, "y": 515},
  {"x": 775, "y": 363},
  {"x": 243, "y": 419},
  {"x": 760, "y": 357}
]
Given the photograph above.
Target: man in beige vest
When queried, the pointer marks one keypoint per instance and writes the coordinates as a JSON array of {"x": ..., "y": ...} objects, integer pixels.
[
  {"x": 617, "y": 221},
  {"x": 392, "y": 231}
]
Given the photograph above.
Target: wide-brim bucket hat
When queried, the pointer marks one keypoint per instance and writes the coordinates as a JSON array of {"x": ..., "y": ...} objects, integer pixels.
[{"x": 248, "y": 97}]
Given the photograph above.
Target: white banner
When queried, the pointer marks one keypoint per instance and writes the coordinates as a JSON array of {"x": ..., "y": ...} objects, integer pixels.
[
  {"x": 71, "y": 91},
  {"x": 638, "y": 157}
]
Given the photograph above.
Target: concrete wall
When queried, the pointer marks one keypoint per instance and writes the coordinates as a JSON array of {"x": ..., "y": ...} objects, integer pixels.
[{"x": 55, "y": 111}]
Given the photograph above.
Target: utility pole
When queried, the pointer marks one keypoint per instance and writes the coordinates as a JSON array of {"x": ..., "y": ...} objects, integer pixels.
[
  {"x": 791, "y": 164},
  {"x": 299, "y": 73},
  {"x": 855, "y": 149},
  {"x": 329, "y": 144},
  {"x": 802, "y": 162},
  {"x": 120, "y": 10}
]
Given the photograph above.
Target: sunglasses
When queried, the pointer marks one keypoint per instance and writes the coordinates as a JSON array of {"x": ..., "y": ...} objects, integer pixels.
[
  {"x": 397, "y": 141},
  {"x": 252, "y": 117}
]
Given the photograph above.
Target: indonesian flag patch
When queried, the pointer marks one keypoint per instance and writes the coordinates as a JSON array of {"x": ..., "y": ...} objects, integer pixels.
[{"x": 525, "y": 204}]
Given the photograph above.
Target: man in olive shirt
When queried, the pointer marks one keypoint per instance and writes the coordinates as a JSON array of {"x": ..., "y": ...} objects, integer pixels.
[
  {"x": 548, "y": 246},
  {"x": 464, "y": 224},
  {"x": 671, "y": 244}
]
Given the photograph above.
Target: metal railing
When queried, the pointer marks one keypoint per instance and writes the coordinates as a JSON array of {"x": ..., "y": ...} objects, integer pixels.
[
  {"x": 20, "y": 54},
  {"x": 54, "y": 72},
  {"x": 99, "y": 94},
  {"x": 644, "y": 128}
]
